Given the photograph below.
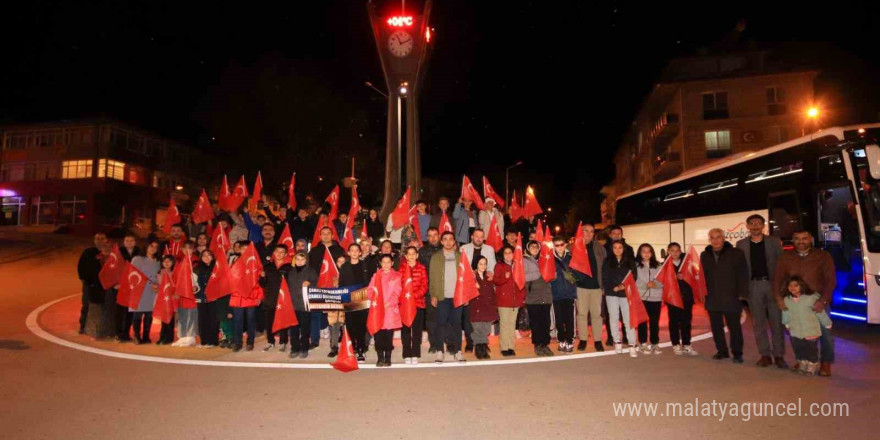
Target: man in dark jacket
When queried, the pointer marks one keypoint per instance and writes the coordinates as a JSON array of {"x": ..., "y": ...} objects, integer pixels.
[
  {"x": 302, "y": 225},
  {"x": 355, "y": 272},
  {"x": 564, "y": 293},
  {"x": 615, "y": 233},
  {"x": 271, "y": 283},
  {"x": 589, "y": 292},
  {"x": 316, "y": 258},
  {"x": 87, "y": 268},
  {"x": 425, "y": 253},
  {"x": 727, "y": 283}
]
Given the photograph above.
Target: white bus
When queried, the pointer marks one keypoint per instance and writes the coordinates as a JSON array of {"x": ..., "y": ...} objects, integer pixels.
[{"x": 826, "y": 182}]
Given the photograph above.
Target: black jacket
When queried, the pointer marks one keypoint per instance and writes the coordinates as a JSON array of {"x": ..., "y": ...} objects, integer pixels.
[
  {"x": 271, "y": 283},
  {"x": 351, "y": 274},
  {"x": 375, "y": 230},
  {"x": 265, "y": 251},
  {"x": 426, "y": 252},
  {"x": 613, "y": 273},
  {"x": 126, "y": 255},
  {"x": 627, "y": 249},
  {"x": 687, "y": 294},
  {"x": 316, "y": 255},
  {"x": 203, "y": 274},
  {"x": 727, "y": 280},
  {"x": 89, "y": 265},
  {"x": 302, "y": 229},
  {"x": 295, "y": 281}
]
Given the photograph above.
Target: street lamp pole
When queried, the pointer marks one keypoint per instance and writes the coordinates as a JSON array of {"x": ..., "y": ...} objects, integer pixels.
[{"x": 507, "y": 181}]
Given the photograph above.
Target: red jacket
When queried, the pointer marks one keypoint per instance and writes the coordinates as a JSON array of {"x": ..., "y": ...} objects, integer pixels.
[
  {"x": 506, "y": 292},
  {"x": 483, "y": 308},
  {"x": 419, "y": 282}
]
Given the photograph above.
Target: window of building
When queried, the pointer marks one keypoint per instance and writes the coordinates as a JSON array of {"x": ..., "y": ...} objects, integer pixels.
[
  {"x": 111, "y": 168},
  {"x": 717, "y": 143},
  {"x": 73, "y": 210},
  {"x": 776, "y": 101},
  {"x": 780, "y": 134},
  {"x": 44, "y": 210},
  {"x": 118, "y": 138},
  {"x": 10, "y": 210},
  {"x": 715, "y": 105},
  {"x": 76, "y": 169},
  {"x": 15, "y": 141},
  {"x": 12, "y": 172}
]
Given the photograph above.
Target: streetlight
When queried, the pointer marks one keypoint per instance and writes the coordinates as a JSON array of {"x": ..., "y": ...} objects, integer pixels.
[
  {"x": 507, "y": 180},
  {"x": 370, "y": 85},
  {"x": 404, "y": 88},
  {"x": 812, "y": 116}
]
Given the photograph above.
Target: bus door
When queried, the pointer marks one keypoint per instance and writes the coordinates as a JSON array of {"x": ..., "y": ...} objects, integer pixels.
[
  {"x": 783, "y": 209},
  {"x": 838, "y": 233}
]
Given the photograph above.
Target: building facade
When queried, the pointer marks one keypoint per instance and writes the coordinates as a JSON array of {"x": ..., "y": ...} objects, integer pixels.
[
  {"x": 706, "y": 108},
  {"x": 94, "y": 175}
]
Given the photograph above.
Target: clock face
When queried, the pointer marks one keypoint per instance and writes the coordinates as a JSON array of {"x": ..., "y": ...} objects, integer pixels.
[{"x": 400, "y": 44}]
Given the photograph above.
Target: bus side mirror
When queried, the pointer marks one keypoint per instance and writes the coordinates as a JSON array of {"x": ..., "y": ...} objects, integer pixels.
[{"x": 872, "y": 152}]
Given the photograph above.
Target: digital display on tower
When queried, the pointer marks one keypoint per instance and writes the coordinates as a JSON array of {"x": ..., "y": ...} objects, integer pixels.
[{"x": 400, "y": 21}]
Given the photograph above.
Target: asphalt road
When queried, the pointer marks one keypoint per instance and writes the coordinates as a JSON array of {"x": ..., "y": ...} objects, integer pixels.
[{"x": 51, "y": 392}]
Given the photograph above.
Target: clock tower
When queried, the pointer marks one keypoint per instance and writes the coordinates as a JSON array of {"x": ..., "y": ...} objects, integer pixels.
[{"x": 403, "y": 38}]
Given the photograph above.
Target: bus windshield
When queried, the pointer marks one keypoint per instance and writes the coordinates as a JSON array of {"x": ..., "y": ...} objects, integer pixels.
[{"x": 869, "y": 198}]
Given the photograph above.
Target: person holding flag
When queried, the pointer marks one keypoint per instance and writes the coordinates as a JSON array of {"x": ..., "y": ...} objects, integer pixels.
[
  {"x": 300, "y": 276},
  {"x": 538, "y": 301},
  {"x": 589, "y": 288},
  {"x": 391, "y": 285},
  {"x": 437, "y": 214},
  {"x": 185, "y": 287},
  {"x": 142, "y": 318},
  {"x": 489, "y": 216},
  {"x": 484, "y": 309},
  {"x": 442, "y": 278},
  {"x": 208, "y": 320},
  {"x": 651, "y": 292},
  {"x": 473, "y": 251},
  {"x": 356, "y": 272},
  {"x": 465, "y": 220},
  {"x": 680, "y": 317},
  {"x": 424, "y": 219},
  {"x": 415, "y": 282},
  {"x": 271, "y": 283},
  {"x": 316, "y": 261},
  {"x": 426, "y": 252},
  {"x": 564, "y": 293},
  {"x": 617, "y": 266},
  {"x": 174, "y": 245},
  {"x": 166, "y": 301},
  {"x": 509, "y": 298},
  {"x": 727, "y": 283}
]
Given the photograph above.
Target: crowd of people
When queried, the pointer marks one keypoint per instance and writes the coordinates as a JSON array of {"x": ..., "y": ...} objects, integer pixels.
[{"x": 782, "y": 289}]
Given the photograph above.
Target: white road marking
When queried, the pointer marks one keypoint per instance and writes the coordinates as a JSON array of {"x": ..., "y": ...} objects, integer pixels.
[{"x": 35, "y": 328}]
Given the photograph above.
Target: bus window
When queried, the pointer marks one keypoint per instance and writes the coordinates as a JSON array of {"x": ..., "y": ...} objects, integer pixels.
[
  {"x": 869, "y": 199},
  {"x": 775, "y": 172},
  {"x": 784, "y": 214},
  {"x": 830, "y": 168}
]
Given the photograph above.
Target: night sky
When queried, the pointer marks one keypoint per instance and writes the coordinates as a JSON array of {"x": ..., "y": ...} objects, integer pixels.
[{"x": 280, "y": 87}]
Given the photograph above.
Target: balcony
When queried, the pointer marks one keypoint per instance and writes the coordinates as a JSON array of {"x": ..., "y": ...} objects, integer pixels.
[
  {"x": 664, "y": 130},
  {"x": 667, "y": 165}
]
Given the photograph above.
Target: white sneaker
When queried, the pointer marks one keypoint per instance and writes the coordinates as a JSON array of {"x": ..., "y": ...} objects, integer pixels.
[
  {"x": 690, "y": 350},
  {"x": 633, "y": 351},
  {"x": 459, "y": 356},
  {"x": 325, "y": 334},
  {"x": 282, "y": 347},
  {"x": 438, "y": 357},
  {"x": 655, "y": 349},
  {"x": 407, "y": 361},
  {"x": 618, "y": 348},
  {"x": 676, "y": 349},
  {"x": 415, "y": 361},
  {"x": 176, "y": 343},
  {"x": 644, "y": 348},
  {"x": 269, "y": 347}
]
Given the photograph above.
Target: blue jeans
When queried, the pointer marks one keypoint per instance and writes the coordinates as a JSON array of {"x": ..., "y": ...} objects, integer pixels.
[
  {"x": 238, "y": 315},
  {"x": 318, "y": 323},
  {"x": 826, "y": 342},
  {"x": 448, "y": 326}
]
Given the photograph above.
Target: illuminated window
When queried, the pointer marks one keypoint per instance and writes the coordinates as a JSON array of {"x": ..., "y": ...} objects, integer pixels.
[
  {"x": 76, "y": 169},
  {"x": 112, "y": 169},
  {"x": 717, "y": 143}
]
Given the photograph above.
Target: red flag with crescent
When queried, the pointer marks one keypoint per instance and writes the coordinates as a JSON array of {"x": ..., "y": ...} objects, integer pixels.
[
  {"x": 245, "y": 272},
  {"x": 637, "y": 312},
  {"x": 323, "y": 222},
  {"x": 239, "y": 193},
  {"x": 329, "y": 273},
  {"x": 519, "y": 269},
  {"x": 203, "y": 211},
  {"x": 515, "y": 210},
  {"x": 345, "y": 360},
  {"x": 376, "y": 315},
  {"x": 257, "y": 194},
  {"x": 183, "y": 283},
  {"x": 493, "y": 235},
  {"x": 465, "y": 285},
  {"x": 333, "y": 200},
  {"x": 219, "y": 284},
  {"x": 490, "y": 193},
  {"x": 172, "y": 217},
  {"x": 468, "y": 192},
  {"x": 285, "y": 316},
  {"x": 219, "y": 242},
  {"x": 286, "y": 239},
  {"x": 445, "y": 225},
  {"x": 531, "y": 205},
  {"x": 414, "y": 222},
  {"x": 223, "y": 196},
  {"x": 113, "y": 269},
  {"x": 692, "y": 273},
  {"x": 400, "y": 215},
  {"x": 546, "y": 264},
  {"x": 164, "y": 307},
  {"x": 669, "y": 278},
  {"x": 408, "y": 307},
  {"x": 131, "y": 287},
  {"x": 348, "y": 233},
  {"x": 291, "y": 195},
  {"x": 580, "y": 260}
]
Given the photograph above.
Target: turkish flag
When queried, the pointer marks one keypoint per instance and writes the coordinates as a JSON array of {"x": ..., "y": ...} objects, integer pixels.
[
  {"x": 131, "y": 287},
  {"x": 531, "y": 205},
  {"x": 414, "y": 222},
  {"x": 291, "y": 194},
  {"x": 287, "y": 240},
  {"x": 348, "y": 233},
  {"x": 671, "y": 291},
  {"x": 493, "y": 235},
  {"x": 519, "y": 269},
  {"x": 466, "y": 285},
  {"x": 165, "y": 305},
  {"x": 515, "y": 210},
  {"x": 223, "y": 196},
  {"x": 183, "y": 283},
  {"x": 376, "y": 316},
  {"x": 323, "y": 222},
  {"x": 333, "y": 200},
  {"x": 329, "y": 273},
  {"x": 580, "y": 260},
  {"x": 203, "y": 211},
  {"x": 345, "y": 360},
  {"x": 490, "y": 193},
  {"x": 258, "y": 193},
  {"x": 219, "y": 284},
  {"x": 400, "y": 215},
  {"x": 172, "y": 217},
  {"x": 219, "y": 242},
  {"x": 239, "y": 193},
  {"x": 408, "y": 308},
  {"x": 445, "y": 225},
  {"x": 113, "y": 269},
  {"x": 285, "y": 316},
  {"x": 692, "y": 273},
  {"x": 468, "y": 192},
  {"x": 637, "y": 312},
  {"x": 245, "y": 272},
  {"x": 546, "y": 264}
]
